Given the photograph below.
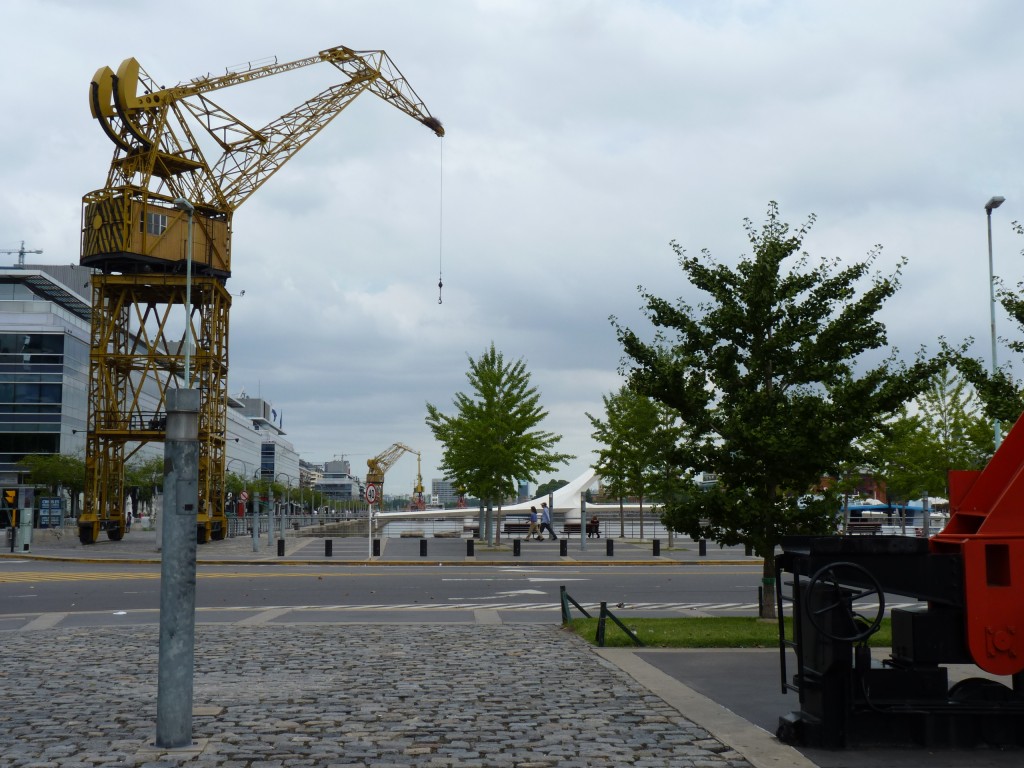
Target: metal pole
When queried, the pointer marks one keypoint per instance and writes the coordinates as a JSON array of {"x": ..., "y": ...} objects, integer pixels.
[
  {"x": 178, "y": 571},
  {"x": 270, "y": 517},
  {"x": 184, "y": 205},
  {"x": 991, "y": 205},
  {"x": 188, "y": 303},
  {"x": 583, "y": 523},
  {"x": 369, "y": 530}
]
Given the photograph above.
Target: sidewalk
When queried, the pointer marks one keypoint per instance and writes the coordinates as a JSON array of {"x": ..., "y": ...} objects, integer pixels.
[
  {"x": 274, "y": 689},
  {"x": 141, "y": 545}
]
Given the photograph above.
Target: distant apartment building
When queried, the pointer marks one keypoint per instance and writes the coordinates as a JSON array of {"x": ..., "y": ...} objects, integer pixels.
[
  {"x": 443, "y": 493},
  {"x": 337, "y": 483}
]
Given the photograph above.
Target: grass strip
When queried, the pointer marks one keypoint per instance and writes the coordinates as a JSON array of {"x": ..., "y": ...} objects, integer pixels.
[{"x": 703, "y": 632}]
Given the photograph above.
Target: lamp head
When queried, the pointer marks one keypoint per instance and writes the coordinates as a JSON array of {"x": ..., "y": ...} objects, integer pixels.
[
  {"x": 184, "y": 205},
  {"x": 994, "y": 203}
]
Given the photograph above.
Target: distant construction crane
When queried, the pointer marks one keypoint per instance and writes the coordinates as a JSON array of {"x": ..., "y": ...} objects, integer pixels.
[{"x": 21, "y": 253}]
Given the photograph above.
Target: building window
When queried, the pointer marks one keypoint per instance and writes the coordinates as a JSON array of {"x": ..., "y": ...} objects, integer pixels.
[{"x": 155, "y": 223}]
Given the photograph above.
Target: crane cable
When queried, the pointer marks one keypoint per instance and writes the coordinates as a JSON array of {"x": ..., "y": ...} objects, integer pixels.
[{"x": 440, "y": 226}]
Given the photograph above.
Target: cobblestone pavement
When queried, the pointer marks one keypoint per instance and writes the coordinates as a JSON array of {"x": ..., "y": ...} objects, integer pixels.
[{"x": 382, "y": 696}]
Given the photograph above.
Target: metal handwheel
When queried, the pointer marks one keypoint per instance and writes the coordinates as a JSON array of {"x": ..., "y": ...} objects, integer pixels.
[{"x": 844, "y": 598}]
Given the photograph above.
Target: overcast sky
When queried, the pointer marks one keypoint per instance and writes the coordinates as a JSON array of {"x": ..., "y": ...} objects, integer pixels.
[{"x": 582, "y": 136}]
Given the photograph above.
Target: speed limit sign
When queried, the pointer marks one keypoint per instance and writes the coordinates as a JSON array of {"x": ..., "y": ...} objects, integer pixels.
[{"x": 371, "y": 493}]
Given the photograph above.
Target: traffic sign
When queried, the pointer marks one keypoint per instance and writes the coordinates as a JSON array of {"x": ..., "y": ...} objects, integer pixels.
[
  {"x": 371, "y": 493},
  {"x": 244, "y": 495}
]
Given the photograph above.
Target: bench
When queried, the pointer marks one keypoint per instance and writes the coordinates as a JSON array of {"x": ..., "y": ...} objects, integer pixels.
[
  {"x": 864, "y": 527},
  {"x": 571, "y": 529},
  {"x": 516, "y": 527}
]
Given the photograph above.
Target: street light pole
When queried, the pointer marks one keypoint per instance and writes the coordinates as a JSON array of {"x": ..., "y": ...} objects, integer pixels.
[
  {"x": 990, "y": 206},
  {"x": 184, "y": 205}
]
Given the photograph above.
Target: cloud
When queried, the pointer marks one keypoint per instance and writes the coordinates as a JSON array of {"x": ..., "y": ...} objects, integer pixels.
[{"x": 582, "y": 137}]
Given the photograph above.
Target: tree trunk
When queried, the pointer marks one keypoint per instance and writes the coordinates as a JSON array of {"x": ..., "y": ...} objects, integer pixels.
[
  {"x": 641, "y": 518},
  {"x": 622, "y": 519}
]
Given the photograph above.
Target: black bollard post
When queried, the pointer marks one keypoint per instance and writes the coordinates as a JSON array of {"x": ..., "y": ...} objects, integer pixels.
[
  {"x": 470, "y": 548},
  {"x": 702, "y": 548},
  {"x": 280, "y": 547},
  {"x": 609, "y": 547},
  {"x": 376, "y": 547},
  {"x": 748, "y": 550},
  {"x": 657, "y": 547},
  {"x": 423, "y": 547},
  {"x": 328, "y": 547},
  {"x": 517, "y": 547},
  {"x": 563, "y": 547}
]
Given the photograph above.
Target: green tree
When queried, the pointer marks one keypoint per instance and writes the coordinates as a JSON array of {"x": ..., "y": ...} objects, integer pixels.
[
  {"x": 492, "y": 439},
  {"x": 57, "y": 471},
  {"x": 1001, "y": 399},
  {"x": 763, "y": 376},
  {"x": 550, "y": 487},
  {"x": 915, "y": 451},
  {"x": 637, "y": 436},
  {"x": 142, "y": 479}
]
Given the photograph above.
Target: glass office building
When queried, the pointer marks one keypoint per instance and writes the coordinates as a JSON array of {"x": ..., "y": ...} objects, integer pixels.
[{"x": 44, "y": 363}]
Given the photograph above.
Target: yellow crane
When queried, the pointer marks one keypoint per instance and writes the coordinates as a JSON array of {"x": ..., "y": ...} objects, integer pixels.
[
  {"x": 159, "y": 234},
  {"x": 382, "y": 462}
]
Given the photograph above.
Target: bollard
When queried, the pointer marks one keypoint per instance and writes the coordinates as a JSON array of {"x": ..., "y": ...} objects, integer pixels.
[
  {"x": 563, "y": 547},
  {"x": 702, "y": 548},
  {"x": 657, "y": 547},
  {"x": 609, "y": 547},
  {"x": 376, "y": 547},
  {"x": 423, "y": 547},
  {"x": 748, "y": 550},
  {"x": 280, "y": 547},
  {"x": 469, "y": 548},
  {"x": 517, "y": 547},
  {"x": 328, "y": 547}
]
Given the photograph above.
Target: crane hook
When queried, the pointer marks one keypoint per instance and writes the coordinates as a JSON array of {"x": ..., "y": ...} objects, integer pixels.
[{"x": 440, "y": 285}]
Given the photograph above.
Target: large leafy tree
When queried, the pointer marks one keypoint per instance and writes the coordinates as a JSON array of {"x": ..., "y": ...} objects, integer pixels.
[
  {"x": 764, "y": 376},
  {"x": 636, "y": 437},
  {"x": 493, "y": 439}
]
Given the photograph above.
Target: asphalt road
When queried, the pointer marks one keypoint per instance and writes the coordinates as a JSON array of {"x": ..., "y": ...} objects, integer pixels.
[{"x": 51, "y": 586}]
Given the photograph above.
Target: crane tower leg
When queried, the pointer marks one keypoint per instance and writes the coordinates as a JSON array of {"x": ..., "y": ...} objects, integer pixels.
[{"x": 136, "y": 349}]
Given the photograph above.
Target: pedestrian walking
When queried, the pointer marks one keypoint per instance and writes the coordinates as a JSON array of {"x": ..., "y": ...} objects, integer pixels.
[
  {"x": 545, "y": 521},
  {"x": 534, "y": 530}
]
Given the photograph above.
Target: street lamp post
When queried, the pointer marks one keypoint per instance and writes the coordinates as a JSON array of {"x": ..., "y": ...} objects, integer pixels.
[
  {"x": 182, "y": 204},
  {"x": 990, "y": 206}
]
